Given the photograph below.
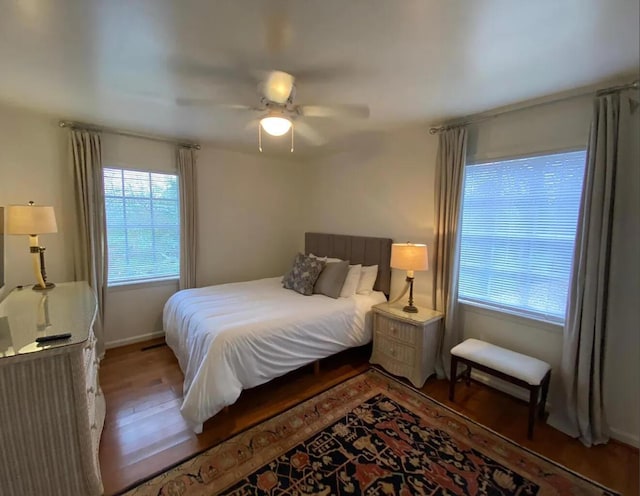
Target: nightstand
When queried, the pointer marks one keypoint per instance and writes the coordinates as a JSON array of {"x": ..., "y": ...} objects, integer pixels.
[{"x": 406, "y": 344}]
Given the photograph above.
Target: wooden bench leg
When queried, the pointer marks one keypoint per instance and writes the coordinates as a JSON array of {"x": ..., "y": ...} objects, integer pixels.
[
  {"x": 453, "y": 377},
  {"x": 545, "y": 392},
  {"x": 468, "y": 375},
  {"x": 533, "y": 405}
]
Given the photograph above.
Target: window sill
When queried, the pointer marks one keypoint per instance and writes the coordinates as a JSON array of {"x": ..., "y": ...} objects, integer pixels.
[
  {"x": 519, "y": 318},
  {"x": 146, "y": 283}
]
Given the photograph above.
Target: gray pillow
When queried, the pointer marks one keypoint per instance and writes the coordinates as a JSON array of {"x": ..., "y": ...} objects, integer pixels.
[
  {"x": 332, "y": 279},
  {"x": 303, "y": 274}
]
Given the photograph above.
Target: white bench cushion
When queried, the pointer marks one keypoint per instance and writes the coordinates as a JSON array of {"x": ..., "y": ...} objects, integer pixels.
[{"x": 523, "y": 367}]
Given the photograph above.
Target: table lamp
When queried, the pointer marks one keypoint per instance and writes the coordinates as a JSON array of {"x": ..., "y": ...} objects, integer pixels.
[
  {"x": 33, "y": 220},
  {"x": 409, "y": 257}
]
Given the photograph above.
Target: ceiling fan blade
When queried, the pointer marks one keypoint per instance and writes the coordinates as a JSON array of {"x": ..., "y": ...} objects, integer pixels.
[
  {"x": 345, "y": 110},
  {"x": 328, "y": 73},
  {"x": 308, "y": 133},
  {"x": 204, "y": 102}
]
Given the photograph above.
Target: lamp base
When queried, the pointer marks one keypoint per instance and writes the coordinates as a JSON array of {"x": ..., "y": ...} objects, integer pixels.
[
  {"x": 48, "y": 285},
  {"x": 410, "y": 309}
]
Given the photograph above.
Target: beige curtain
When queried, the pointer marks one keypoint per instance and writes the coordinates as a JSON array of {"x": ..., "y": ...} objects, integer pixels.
[
  {"x": 90, "y": 254},
  {"x": 186, "y": 164},
  {"x": 608, "y": 170},
  {"x": 450, "y": 161}
]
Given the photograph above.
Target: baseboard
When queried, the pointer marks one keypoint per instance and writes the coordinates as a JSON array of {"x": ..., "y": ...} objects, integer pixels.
[
  {"x": 522, "y": 394},
  {"x": 625, "y": 437},
  {"x": 133, "y": 339}
]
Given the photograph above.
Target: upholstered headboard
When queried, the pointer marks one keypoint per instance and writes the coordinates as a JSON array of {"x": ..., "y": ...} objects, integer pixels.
[{"x": 357, "y": 249}]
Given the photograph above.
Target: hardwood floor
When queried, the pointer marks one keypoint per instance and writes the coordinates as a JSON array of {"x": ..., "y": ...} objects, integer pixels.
[{"x": 145, "y": 433}]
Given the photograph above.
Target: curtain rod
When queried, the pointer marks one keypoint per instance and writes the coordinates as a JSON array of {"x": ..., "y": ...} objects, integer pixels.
[
  {"x": 120, "y": 132},
  {"x": 491, "y": 115}
]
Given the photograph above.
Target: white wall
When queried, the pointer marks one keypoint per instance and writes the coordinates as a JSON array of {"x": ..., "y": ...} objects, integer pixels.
[
  {"x": 384, "y": 187},
  {"x": 545, "y": 128},
  {"x": 134, "y": 312},
  {"x": 33, "y": 167},
  {"x": 251, "y": 211}
]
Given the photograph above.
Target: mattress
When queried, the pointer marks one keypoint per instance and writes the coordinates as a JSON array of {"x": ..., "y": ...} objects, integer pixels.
[{"x": 237, "y": 336}]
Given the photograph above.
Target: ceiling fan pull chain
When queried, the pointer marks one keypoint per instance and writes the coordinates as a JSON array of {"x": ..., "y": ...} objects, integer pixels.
[
  {"x": 292, "y": 128},
  {"x": 260, "y": 137}
]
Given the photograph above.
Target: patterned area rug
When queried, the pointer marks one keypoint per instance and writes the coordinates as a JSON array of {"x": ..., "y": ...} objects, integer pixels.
[{"x": 369, "y": 435}]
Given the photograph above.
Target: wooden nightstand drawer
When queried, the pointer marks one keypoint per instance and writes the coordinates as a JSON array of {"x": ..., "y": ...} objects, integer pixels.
[
  {"x": 397, "y": 330},
  {"x": 395, "y": 350}
]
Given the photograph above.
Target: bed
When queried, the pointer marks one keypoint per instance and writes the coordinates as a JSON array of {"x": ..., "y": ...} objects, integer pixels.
[{"x": 237, "y": 336}]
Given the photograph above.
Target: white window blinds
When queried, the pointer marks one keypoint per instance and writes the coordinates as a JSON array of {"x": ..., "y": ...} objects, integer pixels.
[
  {"x": 143, "y": 225},
  {"x": 518, "y": 229}
]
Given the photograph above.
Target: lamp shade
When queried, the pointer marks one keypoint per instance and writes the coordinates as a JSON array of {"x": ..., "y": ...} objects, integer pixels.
[
  {"x": 278, "y": 86},
  {"x": 409, "y": 256},
  {"x": 31, "y": 219}
]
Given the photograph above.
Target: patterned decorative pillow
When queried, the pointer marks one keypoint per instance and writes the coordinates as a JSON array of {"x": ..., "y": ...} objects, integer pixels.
[
  {"x": 288, "y": 277},
  {"x": 303, "y": 274}
]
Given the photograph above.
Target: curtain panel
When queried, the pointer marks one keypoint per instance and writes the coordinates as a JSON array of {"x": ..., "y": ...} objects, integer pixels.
[
  {"x": 186, "y": 165},
  {"x": 581, "y": 411},
  {"x": 450, "y": 161},
  {"x": 90, "y": 249}
]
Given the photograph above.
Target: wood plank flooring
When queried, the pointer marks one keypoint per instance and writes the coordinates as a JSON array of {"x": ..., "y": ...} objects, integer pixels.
[{"x": 144, "y": 431}]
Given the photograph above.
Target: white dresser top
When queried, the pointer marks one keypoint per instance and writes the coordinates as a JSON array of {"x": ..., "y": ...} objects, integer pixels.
[{"x": 26, "y": 314}]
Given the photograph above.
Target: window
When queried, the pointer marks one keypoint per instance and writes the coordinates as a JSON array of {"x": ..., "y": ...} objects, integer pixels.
[
  {"x": 143, "y": 225},
  {"x": 519, "y": 220}
]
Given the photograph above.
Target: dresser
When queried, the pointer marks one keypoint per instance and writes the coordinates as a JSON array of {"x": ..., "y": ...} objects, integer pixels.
[
  {"x": 406, "y": 344},
  {"x": 51, "y": 406}
]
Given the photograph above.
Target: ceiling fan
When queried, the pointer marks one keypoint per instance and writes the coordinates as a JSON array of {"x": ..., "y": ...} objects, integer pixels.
[{"x": 280, "y": 113}]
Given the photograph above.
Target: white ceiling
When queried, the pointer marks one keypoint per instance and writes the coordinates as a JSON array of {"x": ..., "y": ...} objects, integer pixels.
[{"x": 123, "y": 62}]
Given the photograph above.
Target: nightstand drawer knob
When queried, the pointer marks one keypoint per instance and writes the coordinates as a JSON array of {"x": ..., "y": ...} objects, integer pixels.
[{"x": 394, "y": 330}]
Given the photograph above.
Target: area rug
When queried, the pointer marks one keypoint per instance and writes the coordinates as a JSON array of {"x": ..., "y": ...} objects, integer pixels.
[{"x": 370, "y": 435}]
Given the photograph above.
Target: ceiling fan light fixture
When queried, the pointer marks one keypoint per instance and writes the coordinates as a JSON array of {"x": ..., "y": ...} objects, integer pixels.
[{"x": 275, "y": 126}]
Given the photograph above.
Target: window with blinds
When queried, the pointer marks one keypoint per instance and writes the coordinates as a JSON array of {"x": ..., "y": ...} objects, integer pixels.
[
  {"x": 519, "y": 220},
  {"x": 143, "y": 225}
]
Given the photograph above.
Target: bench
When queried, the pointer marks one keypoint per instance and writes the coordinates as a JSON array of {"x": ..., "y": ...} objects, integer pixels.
[{"x": 516, "y": 368}]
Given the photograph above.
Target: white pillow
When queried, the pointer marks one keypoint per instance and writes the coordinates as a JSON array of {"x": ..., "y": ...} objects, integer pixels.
[
  {"x": 367, "y": 279},
  {"x": 351, "y": 282}
]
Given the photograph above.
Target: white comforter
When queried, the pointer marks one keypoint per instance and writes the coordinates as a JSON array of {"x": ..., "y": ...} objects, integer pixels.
[{"x": 235, "y": 336}]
